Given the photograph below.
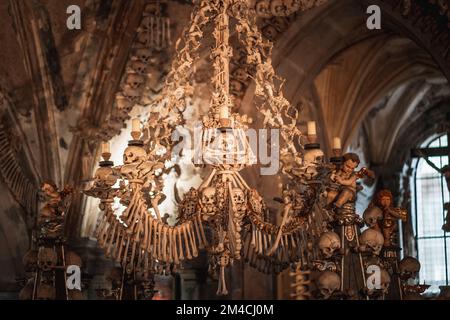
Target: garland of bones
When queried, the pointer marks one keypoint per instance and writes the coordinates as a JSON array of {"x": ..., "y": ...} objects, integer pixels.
[{"x": 224, "y": 203}]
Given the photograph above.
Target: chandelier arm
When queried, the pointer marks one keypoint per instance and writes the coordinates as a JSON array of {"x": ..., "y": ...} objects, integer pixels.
[
  {"x": 258, "y": 55},
  {"x": 220, "y": 55},
  {"x": 181, "y": 64}
]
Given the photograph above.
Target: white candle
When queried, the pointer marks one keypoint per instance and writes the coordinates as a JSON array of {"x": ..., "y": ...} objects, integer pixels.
[
  {"x": 337, "y": 143},
  {"x": 223, "y": 112},
  {"x": 312, "y": 128},
  {"x": 105, "y": 147},
  {"x": 136, "y": 125}
]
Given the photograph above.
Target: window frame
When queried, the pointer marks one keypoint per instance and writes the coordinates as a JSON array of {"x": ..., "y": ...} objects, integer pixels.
[{"x": 444, "y": 236}]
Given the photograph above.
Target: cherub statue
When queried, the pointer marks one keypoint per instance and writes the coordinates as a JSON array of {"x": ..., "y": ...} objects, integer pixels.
[
  {"x": 345, "y": 179},
  {"x": 384, "y": 200},
  {"x": 51, "y": 215},
  {"x": 55, "y": 200}
]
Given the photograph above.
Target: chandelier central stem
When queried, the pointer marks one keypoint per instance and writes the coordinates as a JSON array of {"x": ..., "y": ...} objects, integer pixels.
[{"x": 221, "y": 56}]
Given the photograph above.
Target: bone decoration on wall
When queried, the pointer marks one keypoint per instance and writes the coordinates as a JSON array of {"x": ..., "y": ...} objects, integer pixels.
[{"x": 23, "y": 190}]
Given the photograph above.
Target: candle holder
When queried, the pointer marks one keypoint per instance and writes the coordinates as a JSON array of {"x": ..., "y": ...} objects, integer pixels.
[
  {"x": 225, "y": 124},
  {"x": 337, "y": 158},
  {"x": 106, "y": 163},
  {"x": 136, "y": 133},
  {"x": 312, "y": 142},
  {"x": 311, "y": 136},
  {"x": 106, "y": 155}
]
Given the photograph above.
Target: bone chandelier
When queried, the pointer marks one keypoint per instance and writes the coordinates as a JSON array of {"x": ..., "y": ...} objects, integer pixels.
[{"x": 224, "y": 215}]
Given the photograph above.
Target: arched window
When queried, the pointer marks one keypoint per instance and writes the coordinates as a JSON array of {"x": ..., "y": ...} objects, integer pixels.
[{"x": 430, "y": 193}]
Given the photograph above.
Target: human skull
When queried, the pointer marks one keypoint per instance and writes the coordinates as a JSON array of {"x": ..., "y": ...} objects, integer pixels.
[
  {"x": 45, "y": 292},
  {"x": 135, "y": 80},
  {"x": 238, "y": 197},
  {"x": 139, "y": 67},
  {"x": 131, "y": 93},
  {"x": 313, "y": 156},
  {"x": 277, "y": 7},
  {"x": 133, "y": 154},
  {"x": 372, "y": 216},
  {"x": 385, "y": 281},
  {"x": 47, "y": 258},
  {"x": 328, "y": 283},
  {"x": 143, "y": 54},
  {"x": 371, "y": 241},
  {"x": 30, "y": 260},
  {"x": 123, "y": 103},
  {"x": 311, "y": 159},
  {"x": 328, "y": 243},
  {"x": 263, "y": 9},
  {"x": 208, "y": 199},
  {"x": 104, "y": 177},
  {"x": 409, "y": 267}
]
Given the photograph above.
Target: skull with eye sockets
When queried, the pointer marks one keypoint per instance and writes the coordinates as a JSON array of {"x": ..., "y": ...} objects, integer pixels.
[
  {"x": 134, "y": 154},
  {"x": 314, "y": 156},
  {"x": 139, "y": 67},
  {"x": 143, "y": 54},
  {"x": 371, "y": 241},
  {"x": 239, "y": 199},
  {"x": 47, "y": 258},
  {"x": 208, "y": 200},
  {"x": 409, "y": 268},
  {"x": 329, "y": 243},
  {"x": 328, "y": 283},
  {"x": 372, "y": 216},
  {"x": 311, "y": 160},
  {"x": 135, "y": 80}
]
